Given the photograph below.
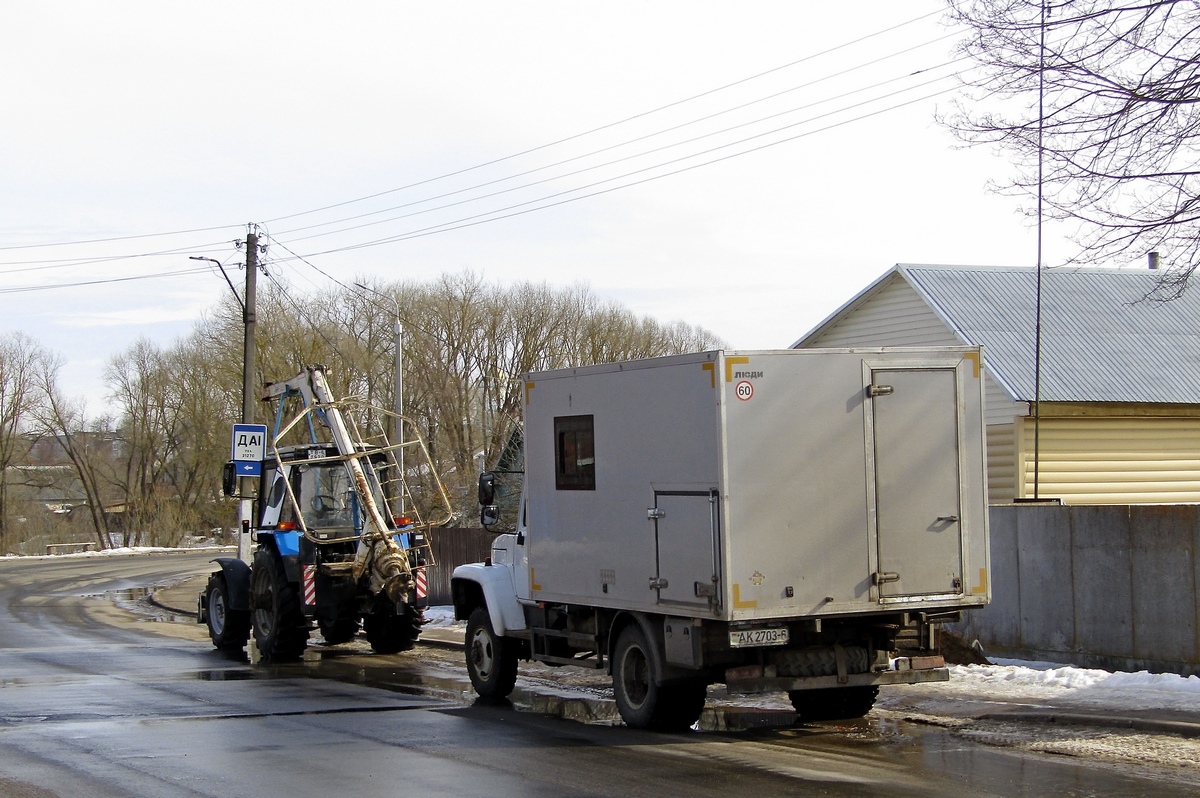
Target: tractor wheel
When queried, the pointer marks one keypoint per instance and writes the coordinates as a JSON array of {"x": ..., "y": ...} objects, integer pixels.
[
  {"x": 228, "y": 629},
  {"x": 341, "y": 629},
  {"x": 642, "y": 702},
  {"x": 389, "y": 633},
  {"x": 491, "y": 660},
  {"x": 277, "y": 619}
]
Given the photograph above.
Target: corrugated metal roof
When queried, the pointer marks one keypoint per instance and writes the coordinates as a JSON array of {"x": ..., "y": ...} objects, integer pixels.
[{"x": 1103, "y": 339}]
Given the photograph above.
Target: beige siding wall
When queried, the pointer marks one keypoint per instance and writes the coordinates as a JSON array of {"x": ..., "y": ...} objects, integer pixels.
[
  {"x": 1112, "y": 460},
  {"x": 897, "y": 316},
  {"x": 894, "y": 316},
  {"x": 998, "y": 406},
  {"x": 1002, "y": 462}
]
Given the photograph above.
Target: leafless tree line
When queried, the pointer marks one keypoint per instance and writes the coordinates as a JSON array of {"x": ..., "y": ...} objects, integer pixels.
[{"x": 148, "y": 472}]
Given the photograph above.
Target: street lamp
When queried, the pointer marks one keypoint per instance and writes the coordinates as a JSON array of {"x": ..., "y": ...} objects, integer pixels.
[{"x": 398, "y": 405}]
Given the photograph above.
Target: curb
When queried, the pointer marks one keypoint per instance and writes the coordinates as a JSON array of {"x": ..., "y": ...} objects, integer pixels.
[{"x": 1155, "y": 725}]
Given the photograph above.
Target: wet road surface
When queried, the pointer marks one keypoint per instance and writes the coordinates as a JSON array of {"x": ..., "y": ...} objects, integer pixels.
[{"x": 95, "y": 702}]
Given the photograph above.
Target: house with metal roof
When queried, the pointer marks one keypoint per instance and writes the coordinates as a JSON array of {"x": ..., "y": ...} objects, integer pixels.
[{"x": 1110, "y": 414}]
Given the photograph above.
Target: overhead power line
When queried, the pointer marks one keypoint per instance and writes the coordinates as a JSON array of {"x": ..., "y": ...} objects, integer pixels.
[
  {"x": 610, "y": 125},
  {"x": 47, "y": 287},
  {"x": 633, "y": 177}
]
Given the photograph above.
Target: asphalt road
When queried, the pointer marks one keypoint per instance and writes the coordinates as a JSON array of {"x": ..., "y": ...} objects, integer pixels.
[{"x": 97, "y": 701}]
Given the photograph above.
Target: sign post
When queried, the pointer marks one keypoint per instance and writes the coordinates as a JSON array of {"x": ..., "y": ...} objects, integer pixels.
[{"x": 249, "y": 447}]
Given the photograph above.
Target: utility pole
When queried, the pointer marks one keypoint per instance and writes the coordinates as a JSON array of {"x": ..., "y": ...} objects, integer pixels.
[
  {"x": 246, "y": 506},
  {"x": 248, "y": 319},
  {"x": 398, "y": 397}
]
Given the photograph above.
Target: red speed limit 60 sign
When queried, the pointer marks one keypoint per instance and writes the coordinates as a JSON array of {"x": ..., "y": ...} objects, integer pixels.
[{"x": 744, "y": 390}]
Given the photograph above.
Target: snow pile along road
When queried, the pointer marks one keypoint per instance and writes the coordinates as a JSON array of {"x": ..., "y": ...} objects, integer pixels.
[{"x": 1049, "y": 684}]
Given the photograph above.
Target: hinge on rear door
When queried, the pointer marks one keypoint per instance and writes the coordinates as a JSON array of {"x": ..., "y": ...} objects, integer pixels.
[
  {"x": 879, "y": 577},
  {"x": 880, "y": 390},
  {"x": 654, "y": 513}
]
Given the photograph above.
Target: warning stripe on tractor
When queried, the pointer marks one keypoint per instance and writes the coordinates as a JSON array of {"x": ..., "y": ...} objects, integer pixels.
[
  {"x": 422, "y": 584},
  {"x": 310, "y": 585}
]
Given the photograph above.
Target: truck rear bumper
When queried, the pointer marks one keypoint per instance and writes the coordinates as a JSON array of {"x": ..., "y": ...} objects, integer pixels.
[{"x": 782, "y": 684}]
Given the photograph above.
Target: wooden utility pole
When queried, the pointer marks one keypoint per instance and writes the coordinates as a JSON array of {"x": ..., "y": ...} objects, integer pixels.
[
  {"x": 248, "y": 319},
  {"x": 245, "y": 511}
]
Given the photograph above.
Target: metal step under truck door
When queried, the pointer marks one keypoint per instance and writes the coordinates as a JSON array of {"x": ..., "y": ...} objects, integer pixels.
[{"x": 915, "y": 415}]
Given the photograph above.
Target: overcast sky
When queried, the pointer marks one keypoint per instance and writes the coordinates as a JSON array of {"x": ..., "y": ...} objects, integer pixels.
[{"x": 746, "y": 167}]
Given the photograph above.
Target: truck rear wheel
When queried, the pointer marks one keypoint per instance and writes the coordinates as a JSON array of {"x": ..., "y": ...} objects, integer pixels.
[
  {"x": 491, "y": 660},
  {"x": 228, "y": 629},
  {"x": 642, "y": 702},
  {"x": 836, "y": 703},
  {"x": 277, "y": 620},
  {"x": 390, "y": 633}
]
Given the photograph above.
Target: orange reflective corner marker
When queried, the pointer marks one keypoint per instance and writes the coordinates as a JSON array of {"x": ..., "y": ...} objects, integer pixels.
[
  {"x": 711, "y": 368},
  {"x": 528, "y": 388},
  {"x": 974, "y": 358},
  {"x": 982, "y": 586},
  {"x": 730, "y": 362},
  {"x": 533, "y": 581},
  {"x": 737, "y": 599}
]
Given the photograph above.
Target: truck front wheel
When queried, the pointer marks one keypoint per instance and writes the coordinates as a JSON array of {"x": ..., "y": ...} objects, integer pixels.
[
  {"x": 491, "y": 660},
  {"x": 642, "y": 702}
]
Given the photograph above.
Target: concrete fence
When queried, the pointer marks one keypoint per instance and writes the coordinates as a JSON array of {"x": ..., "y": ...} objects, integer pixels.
[{"x": 1098, "y": 586}]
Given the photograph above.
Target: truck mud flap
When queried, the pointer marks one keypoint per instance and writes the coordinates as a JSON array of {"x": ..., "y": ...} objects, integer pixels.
[{"x": 784, "y": 684}]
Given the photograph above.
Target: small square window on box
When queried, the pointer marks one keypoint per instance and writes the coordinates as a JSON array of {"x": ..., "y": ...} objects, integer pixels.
[{"x": 574, "y": 453}]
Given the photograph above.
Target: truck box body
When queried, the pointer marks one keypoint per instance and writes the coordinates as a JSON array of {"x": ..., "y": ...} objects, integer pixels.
[{"x": 757, "y": 485}]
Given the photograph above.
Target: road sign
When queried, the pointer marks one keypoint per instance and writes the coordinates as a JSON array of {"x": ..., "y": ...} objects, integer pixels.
[
  {"x": 248, "y": 468},
  {"x": 249, "y": 442}
]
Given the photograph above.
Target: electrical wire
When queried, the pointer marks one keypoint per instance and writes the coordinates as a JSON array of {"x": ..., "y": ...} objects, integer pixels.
[
  {"x": 490, "y": 216},
  {"x": 673, "y": 128},
  {"x": 553, "y": 199},
  {"x": 611, "y": 125},
  {"x": 27, "y": 288},
  {"x": 623, "y": 159}
]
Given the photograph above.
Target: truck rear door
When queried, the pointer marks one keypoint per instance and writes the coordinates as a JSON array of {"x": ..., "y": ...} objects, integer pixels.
[
  {"x": 915, "y": 416},
  {"x": 685, "y": 532}
]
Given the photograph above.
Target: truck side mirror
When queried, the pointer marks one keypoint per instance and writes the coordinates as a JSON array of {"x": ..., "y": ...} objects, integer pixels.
[
  {"x": 489, "y": 516},
  {"x": 228, "y": 479},
  {"x": 487, "y": 488}
]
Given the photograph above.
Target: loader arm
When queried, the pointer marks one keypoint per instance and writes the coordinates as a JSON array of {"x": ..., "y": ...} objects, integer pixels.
[{"x": 378, "y": 554}]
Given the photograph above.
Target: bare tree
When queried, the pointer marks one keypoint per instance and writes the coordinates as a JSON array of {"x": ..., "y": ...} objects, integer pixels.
[
  {"x": 87, "y": 445},
  {"x": 1118, "y": 133},
  {"x": 20, "y": 360}
]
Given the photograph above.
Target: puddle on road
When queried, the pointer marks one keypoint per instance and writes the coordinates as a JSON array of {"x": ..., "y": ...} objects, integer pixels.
[{"x": 140, "y": 601}]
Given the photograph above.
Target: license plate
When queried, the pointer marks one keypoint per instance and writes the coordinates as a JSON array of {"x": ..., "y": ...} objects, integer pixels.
[{"x": 748, "y": 638}]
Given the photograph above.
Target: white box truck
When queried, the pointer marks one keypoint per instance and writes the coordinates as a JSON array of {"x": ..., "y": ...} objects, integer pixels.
[{"x": 796, "y": 520}]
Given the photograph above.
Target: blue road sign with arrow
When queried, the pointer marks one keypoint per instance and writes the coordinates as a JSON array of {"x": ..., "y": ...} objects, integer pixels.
[{"x": 249, "y": 448}]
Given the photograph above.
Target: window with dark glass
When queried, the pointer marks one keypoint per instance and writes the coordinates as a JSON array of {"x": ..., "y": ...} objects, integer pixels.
[{"x": 574, "y": 453}]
